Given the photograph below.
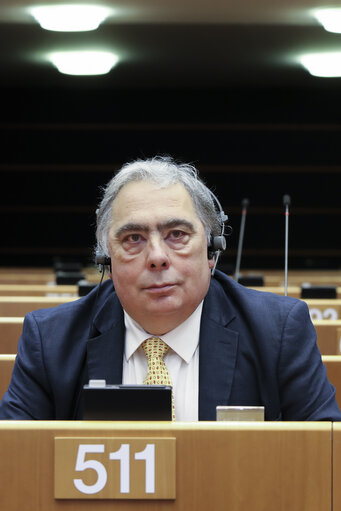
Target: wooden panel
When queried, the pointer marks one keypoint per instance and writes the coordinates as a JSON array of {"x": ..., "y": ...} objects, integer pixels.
[
  {"x": 293, "y": 291},
  {"x": 336, "y": 466},
  {"x": 239, "y": 467},
  {"x": 10, "y": 331},
  {"x": 37, "y": 290},
  {"x": 333, "y": 366},
  {"x": 298, "y": 277},
  {"x": 28, "y": 276},
  {"x": 324, "y": 309},
  {"x": 6, "y": 368},
  {"x": 21, "y": 305},
  {"x": 328, "y": 336},
  {"x": 38, "y": 276},
  {"x": 153, "y": 479}
]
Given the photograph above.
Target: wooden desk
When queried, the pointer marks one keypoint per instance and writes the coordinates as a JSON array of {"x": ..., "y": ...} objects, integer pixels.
[
  {"x": 10, "y": 331},
  {"x": 333, "y": 366},
  {"x": 293, "y": 291},
  {"x": 336, "y": 466},
  {"x": 6, "y": 368},
  {"x": 37, "y": 290},
  {"x": 324, "y": 309},
  {"x": 24, "y": 275},
  {"x": 220, "y": 466},
  {"x": 39, "y": 276},
  {"x": 328, "y": 336},
  {"x": 298, "y": 277},
  {"x": 20, "y": 305}
]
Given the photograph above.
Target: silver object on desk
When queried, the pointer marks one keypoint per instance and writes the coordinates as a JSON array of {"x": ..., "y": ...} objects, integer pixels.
[{"x": 240, "y": 413}]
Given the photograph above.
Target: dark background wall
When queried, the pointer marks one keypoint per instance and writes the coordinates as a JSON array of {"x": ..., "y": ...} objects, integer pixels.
[{"x": 58, "y": 146}]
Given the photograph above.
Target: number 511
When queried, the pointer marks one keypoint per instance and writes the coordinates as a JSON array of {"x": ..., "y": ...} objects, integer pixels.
[
  {"x": 123, "y": 455},
  {"x": 115, "y": 467}
]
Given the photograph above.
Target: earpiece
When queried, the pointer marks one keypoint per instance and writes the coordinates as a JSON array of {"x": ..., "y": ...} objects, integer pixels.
[
  {"x": 102, "y": 260},
  {"x": 217, "y": 244}
]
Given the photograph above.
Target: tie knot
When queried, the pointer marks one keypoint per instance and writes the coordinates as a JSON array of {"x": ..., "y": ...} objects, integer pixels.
[{"x": 154, "y": 347}]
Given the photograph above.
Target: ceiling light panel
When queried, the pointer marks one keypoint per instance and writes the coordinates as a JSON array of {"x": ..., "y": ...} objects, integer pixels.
[
  {"x": 83, "y": 63},
  {"x": 326, "y": 65},
  {"x": 70, "y": 18},
  {"x": 330, "y": 19}
]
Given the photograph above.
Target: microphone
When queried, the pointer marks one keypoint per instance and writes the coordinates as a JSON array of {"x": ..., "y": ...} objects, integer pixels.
[
  {"x": 286, "y": 203},
  {"x": 245, "y": 203}
]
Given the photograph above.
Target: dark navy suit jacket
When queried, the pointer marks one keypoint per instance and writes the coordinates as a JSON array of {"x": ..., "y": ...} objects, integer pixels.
[{"x": 256, "y": 348}]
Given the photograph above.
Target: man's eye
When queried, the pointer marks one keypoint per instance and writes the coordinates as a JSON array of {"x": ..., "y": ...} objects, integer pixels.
[
  {"x": 133, "y": 238},
  {"x": 177, "y": 234}
]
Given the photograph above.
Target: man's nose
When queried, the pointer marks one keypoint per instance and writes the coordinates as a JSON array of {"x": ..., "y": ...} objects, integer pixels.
[{"x": 157, "y": 255}]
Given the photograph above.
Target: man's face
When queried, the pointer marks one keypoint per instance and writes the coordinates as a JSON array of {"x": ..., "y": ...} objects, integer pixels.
[{"x": 158, "y": 251}]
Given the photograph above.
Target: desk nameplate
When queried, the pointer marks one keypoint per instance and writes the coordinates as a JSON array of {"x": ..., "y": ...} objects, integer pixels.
[{"x": 115, "y": 468}]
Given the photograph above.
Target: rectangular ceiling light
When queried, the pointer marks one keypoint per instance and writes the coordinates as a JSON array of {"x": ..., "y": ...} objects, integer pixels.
[
  {"x": 83, "y": 63},
  {"x": 327, "y": 65},
  {"x": 70, "y": 18},
  {"x": 330, "y": 19}
]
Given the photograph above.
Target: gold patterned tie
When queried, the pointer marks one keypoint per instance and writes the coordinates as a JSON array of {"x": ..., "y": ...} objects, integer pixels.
[{"x": 155, "y": 349}]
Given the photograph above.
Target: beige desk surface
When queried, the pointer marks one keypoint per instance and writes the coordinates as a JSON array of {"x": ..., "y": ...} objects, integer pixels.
[
  {"x": 21, "y": 305},
  {"x": 37, "y": 290},
  {"x": 220, "y": 466}
]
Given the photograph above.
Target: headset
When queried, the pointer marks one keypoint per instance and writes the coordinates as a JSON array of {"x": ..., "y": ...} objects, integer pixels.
[
  {"x": 216, "y": 244},
  {"x": 102, "y": 260}
]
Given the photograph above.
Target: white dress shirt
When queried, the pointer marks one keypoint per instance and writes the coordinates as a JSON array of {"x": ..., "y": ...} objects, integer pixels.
[{"x": 182, "y": 361}]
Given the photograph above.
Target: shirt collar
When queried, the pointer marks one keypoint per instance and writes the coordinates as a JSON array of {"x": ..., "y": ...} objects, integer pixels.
[{"x": 183, "y": 340}]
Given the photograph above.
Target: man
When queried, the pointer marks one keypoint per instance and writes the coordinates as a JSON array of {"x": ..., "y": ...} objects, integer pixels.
[{"x": 228, "y": 345}]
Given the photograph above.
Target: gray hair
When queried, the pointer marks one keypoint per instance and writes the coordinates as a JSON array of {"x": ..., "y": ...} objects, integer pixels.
[{"x": 163, "y": 171}]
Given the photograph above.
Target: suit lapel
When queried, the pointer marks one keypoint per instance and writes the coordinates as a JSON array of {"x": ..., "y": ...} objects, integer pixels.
[
  {"x": 105, "y": 348},
  {"x": 217, "y": 353}
]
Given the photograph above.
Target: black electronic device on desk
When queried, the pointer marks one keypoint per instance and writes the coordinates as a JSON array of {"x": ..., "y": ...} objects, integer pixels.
[
  {"x": 318, "y": 292},
  {"x": 101, "y": 401}
]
